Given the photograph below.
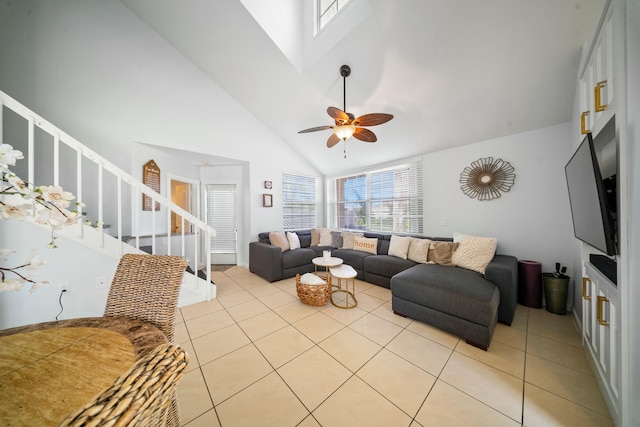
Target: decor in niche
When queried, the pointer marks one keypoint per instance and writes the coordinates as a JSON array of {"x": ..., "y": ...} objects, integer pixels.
[
  {"x": 487, "y": 178},
  {"x": 150, "y": 178},
  {"x": 268, "y": 185},
  {"x": 267, "y": 201}
]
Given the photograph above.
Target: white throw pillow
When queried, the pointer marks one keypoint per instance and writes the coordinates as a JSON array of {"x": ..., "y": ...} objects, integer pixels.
[
  {"x": 294, "y": 240},
  {"x": 458, "y": 237},
  {"x": 311, "y": 279},
  {"x": 475, "y": 253},
  {"x": 399, "y": 246},
  {"x": 325, "y": 237},
  {"x": 419, "y": 250}
]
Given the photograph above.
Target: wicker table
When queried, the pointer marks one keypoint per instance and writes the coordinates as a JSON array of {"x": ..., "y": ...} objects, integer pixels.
[{"x": 48, "y": 370}]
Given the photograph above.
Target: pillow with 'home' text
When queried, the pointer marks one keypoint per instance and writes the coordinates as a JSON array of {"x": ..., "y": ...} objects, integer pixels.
[{"x": 366, "y": 244}]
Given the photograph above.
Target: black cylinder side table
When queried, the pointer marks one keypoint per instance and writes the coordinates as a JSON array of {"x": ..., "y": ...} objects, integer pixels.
[{"x": 530, "y": 283}]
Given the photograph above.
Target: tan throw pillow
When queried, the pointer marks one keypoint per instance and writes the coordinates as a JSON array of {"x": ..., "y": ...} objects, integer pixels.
[
  {"x": 294, "y": 240},
  {"x": 419, "y": 250},
  {"x": 441, "y": 252},
  {"x": 347, "y": 239},
  {"x": 278, "y": 238},
  {"x": 475, "y": 253},
  {"x": 315, "y": 237},
  {"x": 399, "y": 246},
  {"x": 364, "y": 244},
  {"x": 325, "y": 237}
]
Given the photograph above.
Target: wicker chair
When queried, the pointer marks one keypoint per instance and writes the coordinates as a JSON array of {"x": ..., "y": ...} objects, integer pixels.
[
  {"x": 147, "y": 287},
  {"x": 139, "y": 397}
]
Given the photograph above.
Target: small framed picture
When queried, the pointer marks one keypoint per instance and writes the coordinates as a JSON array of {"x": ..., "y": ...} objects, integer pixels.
[
  {"x": 268, "y": 185},
  {"x": 267, "y": 201}
]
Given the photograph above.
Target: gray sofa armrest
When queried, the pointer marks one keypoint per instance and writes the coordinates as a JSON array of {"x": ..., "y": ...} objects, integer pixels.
[
  {"x": 265, "y": 260},
  {"x": 503, "y": 271}
]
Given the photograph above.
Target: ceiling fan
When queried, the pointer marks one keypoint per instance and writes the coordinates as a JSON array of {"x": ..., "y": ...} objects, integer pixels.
[{"x": 346, "y": 124}]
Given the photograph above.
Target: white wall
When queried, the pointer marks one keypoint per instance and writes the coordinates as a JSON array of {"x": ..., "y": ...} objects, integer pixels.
[
  {"x": 532, "y": 221},
  {"x": 68, "y": 263},
  {"x": 102, "y": 75}
]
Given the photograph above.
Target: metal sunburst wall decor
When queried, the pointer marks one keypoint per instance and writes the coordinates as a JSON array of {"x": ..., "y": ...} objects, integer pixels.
[{"x": 487, "y": 178}]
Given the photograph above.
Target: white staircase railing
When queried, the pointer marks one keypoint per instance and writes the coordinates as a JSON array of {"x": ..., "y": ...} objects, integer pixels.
[{"x": 92, "y": 170}]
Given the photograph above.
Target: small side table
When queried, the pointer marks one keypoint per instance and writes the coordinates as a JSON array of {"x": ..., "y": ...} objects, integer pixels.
[
  {"x": 347, "y": 273},
  {"x": 327, "y": 263}
]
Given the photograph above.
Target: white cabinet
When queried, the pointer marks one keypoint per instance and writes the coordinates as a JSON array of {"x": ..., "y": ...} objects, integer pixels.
[
  {"x": 601, "y": 333},
  {"x": 597, "y": 79}
]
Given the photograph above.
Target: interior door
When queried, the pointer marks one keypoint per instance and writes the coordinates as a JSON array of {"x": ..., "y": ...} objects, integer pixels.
[{"x": 221, "y": 215}]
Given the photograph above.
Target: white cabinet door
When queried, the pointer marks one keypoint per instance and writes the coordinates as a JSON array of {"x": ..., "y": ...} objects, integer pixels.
[
  {"x": 597, "y": 101},
  {"x": 601, "y": 331}
]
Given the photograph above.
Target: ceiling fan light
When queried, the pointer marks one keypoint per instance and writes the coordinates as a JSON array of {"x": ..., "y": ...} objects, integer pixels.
[{"x": 344, "y": 132}]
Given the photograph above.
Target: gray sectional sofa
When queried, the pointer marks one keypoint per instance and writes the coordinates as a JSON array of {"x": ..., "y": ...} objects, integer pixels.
[{"x": 460, "y": 301}]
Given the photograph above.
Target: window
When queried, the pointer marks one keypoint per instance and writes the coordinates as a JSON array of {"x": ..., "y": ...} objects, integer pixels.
[
  {"x": 299, "y": 201},
  {"x": 387, "y": 200},
  {"x": 326, "y": 10}
]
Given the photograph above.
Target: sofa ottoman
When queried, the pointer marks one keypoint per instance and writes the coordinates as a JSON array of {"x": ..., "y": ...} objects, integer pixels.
[{"x": 454, "y": 299}]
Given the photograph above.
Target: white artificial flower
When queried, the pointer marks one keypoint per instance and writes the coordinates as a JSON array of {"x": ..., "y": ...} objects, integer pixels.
[
  {"x": 4, "y": 253},
  {"x": 19, "y": 185},
  {"x": 10, "y": 285},
  {"x": 36, "y": 285},
  {"x": 56, "y": 195},
  {"x": 18, "y": 212},
  {"x": 33, "y": 264},
  {"x": 8, "y": 156}
]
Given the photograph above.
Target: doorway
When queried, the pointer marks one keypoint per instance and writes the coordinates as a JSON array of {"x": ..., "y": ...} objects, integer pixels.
[
  {"x": 222, "y": 216},
  {"x": 184, "y": 193}
]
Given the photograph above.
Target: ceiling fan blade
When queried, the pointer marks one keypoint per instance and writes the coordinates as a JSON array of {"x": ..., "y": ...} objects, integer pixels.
[
  {"x": 338, "y": 115},
  {"x": 315, "y": 129},
  {"x": 372, "y": 119},
  {"x": 365, "y": 135},
  {"x": 333, "y": 140}
]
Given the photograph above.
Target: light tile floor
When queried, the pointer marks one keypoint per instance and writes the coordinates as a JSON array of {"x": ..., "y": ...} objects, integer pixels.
[{"x": 259, "y": 356}]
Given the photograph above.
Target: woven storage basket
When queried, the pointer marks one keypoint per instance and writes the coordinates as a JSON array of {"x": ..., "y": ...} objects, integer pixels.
[{"x": 314, "y": 294}]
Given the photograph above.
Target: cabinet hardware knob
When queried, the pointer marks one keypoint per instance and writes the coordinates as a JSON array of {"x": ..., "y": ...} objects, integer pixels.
[
  {"x": 601, "y": 301},
  {"x": 598, "y": 96},
  {"x": 585, "y": 296},
  {"x": 583, "y": 125}
]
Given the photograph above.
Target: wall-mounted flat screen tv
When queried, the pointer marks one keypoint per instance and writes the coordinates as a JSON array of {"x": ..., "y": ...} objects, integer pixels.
[{"x": 592, "y": 217}]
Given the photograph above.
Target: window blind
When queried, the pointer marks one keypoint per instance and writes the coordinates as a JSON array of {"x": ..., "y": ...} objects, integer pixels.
[
  {"x": 221, "y": 203},
  {"x": 299, "y": 201},
  {"x": 388, "y": 200}
]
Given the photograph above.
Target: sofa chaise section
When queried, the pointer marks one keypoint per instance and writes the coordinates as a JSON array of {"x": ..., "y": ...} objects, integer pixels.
[{"x": 456, "y": 300}]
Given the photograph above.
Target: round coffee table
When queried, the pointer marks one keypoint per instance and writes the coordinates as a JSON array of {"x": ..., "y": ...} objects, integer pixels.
[
  {"x": 347, "y": 273},
  {"x": 327, "y": 263}
]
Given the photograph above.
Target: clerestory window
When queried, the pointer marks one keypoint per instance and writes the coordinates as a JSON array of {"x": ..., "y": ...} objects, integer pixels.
[{"x": 326, "y": 10}]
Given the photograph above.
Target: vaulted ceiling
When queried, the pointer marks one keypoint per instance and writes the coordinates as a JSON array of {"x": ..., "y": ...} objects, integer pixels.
[{"x": 452, "y": 72}]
